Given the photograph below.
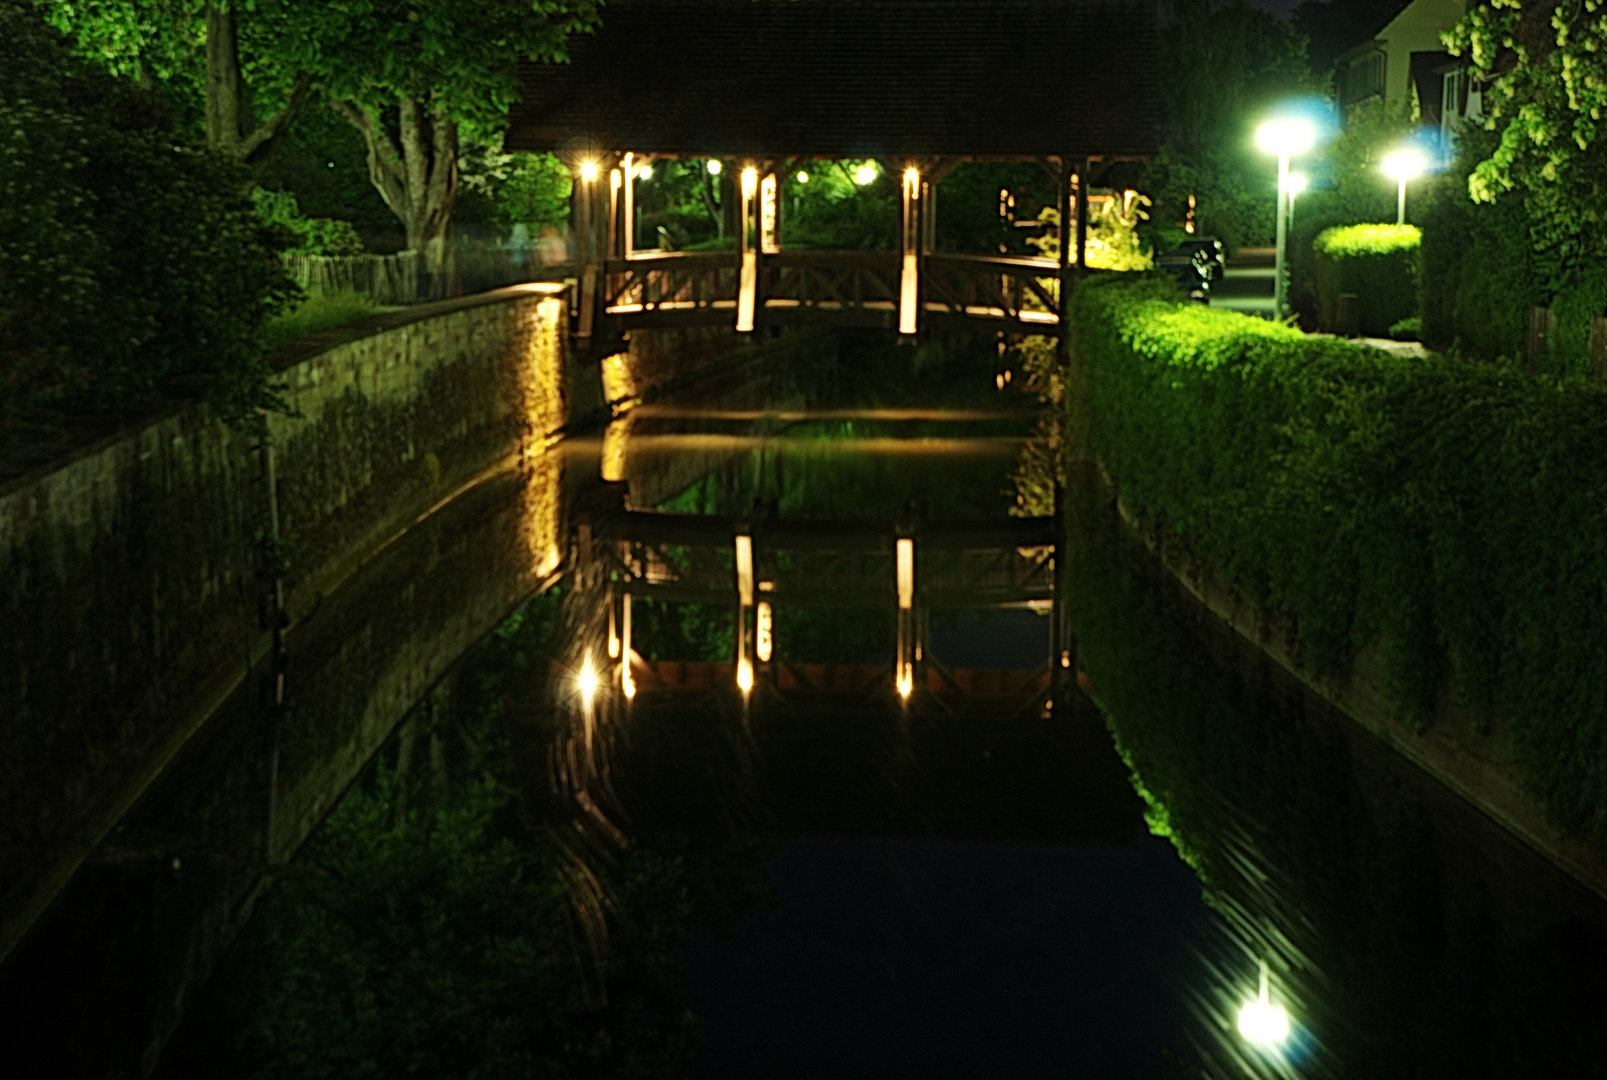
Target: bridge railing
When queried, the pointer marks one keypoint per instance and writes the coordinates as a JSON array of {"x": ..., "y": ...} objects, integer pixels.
[{"x": 860, "y": 287}]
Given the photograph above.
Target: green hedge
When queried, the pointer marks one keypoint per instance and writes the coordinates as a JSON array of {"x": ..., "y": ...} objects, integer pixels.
[
  {"x": 1457, "y": 512},
  {"x": 1376, "y": 262}
]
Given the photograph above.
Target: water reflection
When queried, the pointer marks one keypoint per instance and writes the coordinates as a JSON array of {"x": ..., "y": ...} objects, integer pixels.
[{"x": 812, "y": 874}]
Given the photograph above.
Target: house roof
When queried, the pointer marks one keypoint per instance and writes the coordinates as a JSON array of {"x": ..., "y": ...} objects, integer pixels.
[{"x": 852, "y": 78}]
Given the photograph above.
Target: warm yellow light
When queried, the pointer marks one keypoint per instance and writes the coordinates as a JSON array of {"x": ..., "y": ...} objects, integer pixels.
[
  {"x": 1405, "y": 164},
  {"x": 744, "y": 561},
  {"x": 764, "y": 640},
  {"x": 586, "y": 681},
  {"x": 906, "y": 681},
  {"x": 1295, "y": 183},
  {"x": 1288, "y": 135},
  {"x": 613, "y": 635},
  {"x": 803, "y": 177},
  {"x": 750, "y": 182},
  {"x": 627, "y": 681},
  {"x": 744, "y": 675},
  {"x": 714, "y": 166},
  {"x": 588, "y": 171},
  {"x": 906, "y": 573},
  {"x": 1261, "y": 1022},
  {"x": 912, "y": 177},
  {"x": 645, "y": 172},
  {"x": 865, "y": 173}
]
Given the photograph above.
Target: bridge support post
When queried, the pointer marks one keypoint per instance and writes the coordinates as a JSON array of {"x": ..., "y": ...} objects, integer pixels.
[
  {"x": 748, "y": 286},
  {"x": 909, "y": 282},
  {"x": 1082, "y": 216}
]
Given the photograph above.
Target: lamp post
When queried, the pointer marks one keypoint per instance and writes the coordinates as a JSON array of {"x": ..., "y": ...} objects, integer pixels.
[
  {"x": 1285, "y": 137},
  {"x": 1295, "y": 185},
  {"x": 1402, "y": 165}
]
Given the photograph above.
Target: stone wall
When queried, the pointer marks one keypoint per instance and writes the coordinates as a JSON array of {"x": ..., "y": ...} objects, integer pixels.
[{"x": 142, "y": 578}]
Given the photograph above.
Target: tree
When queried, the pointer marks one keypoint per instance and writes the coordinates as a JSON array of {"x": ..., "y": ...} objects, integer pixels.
[
  {"x": 127, "y": 257},
  {"x": 193, "y": 46},
  {"x": 414, "y": 77},
  {"x": 1544, "y": 73},
  {"x": 1223, "y": 63}
]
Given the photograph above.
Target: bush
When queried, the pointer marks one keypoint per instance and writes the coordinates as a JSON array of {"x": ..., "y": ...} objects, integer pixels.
[
  {"x": 1455, "y": 513},
  {"x": 1407, "y": 329},
  {"x": 314, "y": 236},
  {"x": 317, "y": 313},
  {"x": 126, "y": 257},
  {"x": 1376, "y": 262}
]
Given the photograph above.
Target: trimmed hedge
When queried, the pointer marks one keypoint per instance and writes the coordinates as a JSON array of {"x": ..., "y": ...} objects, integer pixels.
[
  {"x": 1456, "y": 512},
  {"x": 1376, "y": 262}
]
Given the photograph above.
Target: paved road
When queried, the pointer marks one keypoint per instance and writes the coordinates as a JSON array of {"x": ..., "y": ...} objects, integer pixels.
[{"x": 1247, "y": 286}]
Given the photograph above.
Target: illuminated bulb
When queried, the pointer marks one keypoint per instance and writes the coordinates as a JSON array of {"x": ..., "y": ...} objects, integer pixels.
[
  {"x": 1404, "y": 164},
  {"x": 744, "y": 675},
  {"x": 1065, "y": 659},
  {"x": 588, "y": 171},
  {"x": 764, "y": 641},
  {"x": 714, "y": 167},
  {"x": 1261, "y": 1022},
  {"x": 646, "y": 172},
  {"x": 906, "y": 681},
  {"x": 750, "y": 182},
  {"x": 803, "y": 177},
  {"x": 864, "y": 174},
  {"x": 1290, "y": 135},
  {"x": 912, "y": 177}
]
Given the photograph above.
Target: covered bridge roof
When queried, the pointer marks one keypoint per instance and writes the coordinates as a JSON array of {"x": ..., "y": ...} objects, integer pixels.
[{"x": 852, "y": 78}]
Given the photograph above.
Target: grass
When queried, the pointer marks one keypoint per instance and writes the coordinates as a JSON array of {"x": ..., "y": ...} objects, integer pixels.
[{"x": 317, "y": 313}]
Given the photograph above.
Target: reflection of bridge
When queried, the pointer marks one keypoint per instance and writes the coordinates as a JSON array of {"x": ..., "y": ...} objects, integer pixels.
[
  {"x": 756, "y": 565},
  {"x": 762, "y": 87}
]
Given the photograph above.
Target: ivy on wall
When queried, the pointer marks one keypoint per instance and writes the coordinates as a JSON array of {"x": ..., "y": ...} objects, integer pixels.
[{"x": 1456, "y": 513}]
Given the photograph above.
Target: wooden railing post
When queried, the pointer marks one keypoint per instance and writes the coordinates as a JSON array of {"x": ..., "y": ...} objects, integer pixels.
[{"x": 1598, "y": 346}]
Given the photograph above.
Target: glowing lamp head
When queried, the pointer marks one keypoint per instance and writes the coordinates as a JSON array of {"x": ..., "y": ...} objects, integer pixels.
[
  {"x": 865, "y": 174},
  {"x": 1285, "y": 135},
  {"x": 627, "y": 682},
  {"x": 744, "y": 675},
  {"x": 588, "y": 171},
  {"x": 645, "y": 172},
  {"x": 803, "y": 177},
  {"x": 1406, "y": 163},
  {"x": 714, "y": 166},
  {"x": 912, "y": 176},
  {"x": 1295, "y": 183},
  {"x": 750, "y": 182},
  {"x": 1263, "y": 1023}
]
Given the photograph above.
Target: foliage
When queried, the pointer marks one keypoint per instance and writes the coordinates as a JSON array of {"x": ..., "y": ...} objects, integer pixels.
[
  {"x": 315, "y": 313},
  {"x": 1368, "y": 241},
  {"x": 127, "y": 258},
  {"x": 1451, "y": 513},
  {"x": 1396, "y": 955},
  {"x": 1378, "y": 263},
  {"x": 1407, "y": 329},
  {"x": 323, "y": 163},
  {"x": 533, "y": 190},
  {"x": 1113, "y": 240},
  {"x": 832, "y": 211},
  {"x": 1545, "y": 88},
  {"x": 314, "y": 236},
  {"x": 969, "y": 203},
  {"x": 1223, "y": 64}
]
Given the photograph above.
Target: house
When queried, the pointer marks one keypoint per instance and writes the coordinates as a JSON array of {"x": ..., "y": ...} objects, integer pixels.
[{"x": 1406, "y": 63}]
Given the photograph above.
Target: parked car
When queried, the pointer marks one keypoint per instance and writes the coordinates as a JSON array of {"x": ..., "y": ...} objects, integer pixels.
[
  {"x": 1216, "y": 257},
  {"x": 1191, "y": 269}
]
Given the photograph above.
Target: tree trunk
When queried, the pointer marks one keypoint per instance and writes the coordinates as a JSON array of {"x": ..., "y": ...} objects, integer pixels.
[
  {"x": 416, "y": 173},
  {"x": 228, "y": 115}
]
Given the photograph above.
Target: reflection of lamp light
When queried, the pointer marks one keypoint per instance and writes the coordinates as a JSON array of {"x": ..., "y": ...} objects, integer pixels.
[
  {"x": 714, "y": 166},
  {"x": 1402, "y": 165},
  {"x": 906, "y": 680},
  {"x": 586, "y": 681},
  {"x": 764, "y": 639},
  {"x": 803, "y": 177},
  {"x": 588, "y": 171},
  {"x": 1260, "y": 1021},
  {"x": 1283, "y": 136},
  {"x": 865, "y": 173},
  {"x": 744, "y": 675}
]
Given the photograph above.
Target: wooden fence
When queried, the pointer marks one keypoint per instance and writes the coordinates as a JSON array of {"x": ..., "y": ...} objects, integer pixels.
[{"x": 393, "y": 280}]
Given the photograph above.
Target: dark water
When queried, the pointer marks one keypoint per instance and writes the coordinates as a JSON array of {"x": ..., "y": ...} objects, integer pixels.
[{"x": 828, "y": 882}]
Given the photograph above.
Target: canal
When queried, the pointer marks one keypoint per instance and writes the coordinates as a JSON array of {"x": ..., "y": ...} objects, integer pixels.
[{"x": 677, "y": 817}]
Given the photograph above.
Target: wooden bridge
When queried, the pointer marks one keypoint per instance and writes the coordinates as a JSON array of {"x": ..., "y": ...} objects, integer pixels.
[{"x": 759, "y": 87}]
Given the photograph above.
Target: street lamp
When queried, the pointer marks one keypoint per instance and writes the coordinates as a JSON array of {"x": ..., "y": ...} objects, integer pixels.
[
  {"x": 1285, "y": 137},
  {"x": 1402, "y": 165},
  {"x": 1262, "y": 1022}
]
